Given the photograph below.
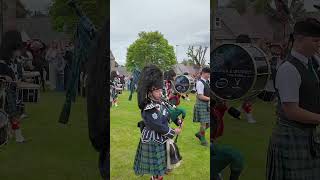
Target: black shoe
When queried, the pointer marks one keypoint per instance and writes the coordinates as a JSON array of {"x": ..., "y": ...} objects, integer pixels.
[
  {"x": 198, "y": 136},
  {"x": 204, "y": 143}
]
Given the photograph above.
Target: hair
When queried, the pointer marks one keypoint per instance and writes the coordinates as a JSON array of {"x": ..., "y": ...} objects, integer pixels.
[
  {"x": 113, "y": 75},
  {"x": 11, "y": 41},
  {"x": 151, "y": 77},
  {"x": 243, "y": 38},
  {"x": 205, "y": 70},
  {"x": 169, "y": 75}
]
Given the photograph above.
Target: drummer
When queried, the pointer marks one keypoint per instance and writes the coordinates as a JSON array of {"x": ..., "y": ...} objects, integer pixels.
[
  {"x": 10, "y": 49},
  {"x": 201, "y": 108},
  {"x": 294, "y": 148}
]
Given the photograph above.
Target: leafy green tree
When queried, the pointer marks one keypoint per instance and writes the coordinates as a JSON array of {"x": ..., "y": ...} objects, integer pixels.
[
  {"x": 64, "y": 18},
  {"x": 150, "y": 48}
]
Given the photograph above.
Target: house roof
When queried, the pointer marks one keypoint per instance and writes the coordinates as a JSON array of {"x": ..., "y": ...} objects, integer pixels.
[
  {"x": 112, "y": 58},
  {"x": 236, "y": 24},
  {"x": 122, "y": 70},
  {"x": 181, "y": 68},
  {"x": 40, "y": 28}
]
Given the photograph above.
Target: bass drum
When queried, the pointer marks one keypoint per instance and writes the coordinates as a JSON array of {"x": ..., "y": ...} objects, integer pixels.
[
  {"x": 183, "y": 84},
  {"x": 239, "y": 71}
]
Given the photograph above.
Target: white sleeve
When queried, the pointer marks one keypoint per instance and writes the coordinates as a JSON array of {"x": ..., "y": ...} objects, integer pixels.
[
  {"x": 200, "y": 88},
  {"x": 288, "y": 81}
]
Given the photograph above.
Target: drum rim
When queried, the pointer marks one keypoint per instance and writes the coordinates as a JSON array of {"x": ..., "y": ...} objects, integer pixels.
[
  {"x": 174, "y": 87},
  {"x": 246, "y": 96}
]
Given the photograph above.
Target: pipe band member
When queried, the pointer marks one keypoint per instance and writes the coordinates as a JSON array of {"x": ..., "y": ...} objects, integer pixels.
[
  {"x": 201, "y": 109},
  {"x": 294, "y": 147},
  {"x": 11, "y": 48},
  {"x": 151, "y": 153}
]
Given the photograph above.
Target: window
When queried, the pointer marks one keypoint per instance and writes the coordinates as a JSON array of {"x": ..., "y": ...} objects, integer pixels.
[{"x": 218, "y": 23}]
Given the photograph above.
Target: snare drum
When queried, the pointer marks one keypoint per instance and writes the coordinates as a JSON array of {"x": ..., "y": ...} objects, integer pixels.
[
  {"x": 239, "y": 71},
  {"x": 183, "y": 84},
  {"x": 28, "y": 92},
  {"x": 34, "y": 77}
]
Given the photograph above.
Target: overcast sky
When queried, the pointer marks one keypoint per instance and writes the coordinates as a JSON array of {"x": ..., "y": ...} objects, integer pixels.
[
  {"x": 182, "y": 22},
  {"x": 36, "y": 4}
]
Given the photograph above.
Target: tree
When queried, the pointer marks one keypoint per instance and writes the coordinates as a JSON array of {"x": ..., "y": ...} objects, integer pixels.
[
  {"x": 275, "y": 10},
  {"x": 150, "y": 48},
  {"x": 187, "y": 62},
  {"x": 197, "y": 55},
  {"x": 63, "y": 16}
]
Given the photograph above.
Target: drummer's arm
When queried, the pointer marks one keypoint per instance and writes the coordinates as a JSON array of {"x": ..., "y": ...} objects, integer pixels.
[
  {"x": 288, "y": 83},
  {"x": 203, "y": 97},
  {"x": 200, "y": 92},
  {"x": 294, "y": 112}
]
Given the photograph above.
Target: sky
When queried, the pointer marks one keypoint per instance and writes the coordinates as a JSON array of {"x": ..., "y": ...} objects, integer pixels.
[
  {"x": 182, "y": 22},
  {"x": 36, "y": 4}
]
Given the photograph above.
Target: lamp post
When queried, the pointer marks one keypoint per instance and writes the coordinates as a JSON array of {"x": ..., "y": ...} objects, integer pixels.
[{"x": 177, "y": 52}]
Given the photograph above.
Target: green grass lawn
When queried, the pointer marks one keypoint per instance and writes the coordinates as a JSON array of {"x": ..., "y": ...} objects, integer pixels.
[
  {"x": 55, "y": 152},
  {"x": 251, "y": 139},
  {"x": 124, "y": 138}
]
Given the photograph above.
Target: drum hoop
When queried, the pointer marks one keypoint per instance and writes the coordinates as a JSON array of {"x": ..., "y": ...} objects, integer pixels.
[
  {"x": 174, "y": 85},
  {"x": 245, "y": 96}
]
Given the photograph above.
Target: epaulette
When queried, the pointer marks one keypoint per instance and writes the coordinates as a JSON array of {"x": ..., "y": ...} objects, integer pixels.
[{"x": 150, "y": 106}]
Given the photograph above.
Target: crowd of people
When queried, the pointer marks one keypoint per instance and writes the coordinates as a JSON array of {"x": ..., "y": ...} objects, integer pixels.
[{"x": 31, "y": 63}]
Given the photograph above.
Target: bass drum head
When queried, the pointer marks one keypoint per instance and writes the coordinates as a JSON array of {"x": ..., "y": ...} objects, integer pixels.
[
  {"x": 238, "y": 71},
  {"x": 182, "y": 84}
]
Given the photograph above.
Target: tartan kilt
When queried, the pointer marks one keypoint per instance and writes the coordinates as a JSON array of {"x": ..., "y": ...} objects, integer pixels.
[
  {"x": 200, "y": 112},
  {"x": 11, "y": 103},
  {"x": 289, "y": 155},
  {"x": 150, "y": 159}
]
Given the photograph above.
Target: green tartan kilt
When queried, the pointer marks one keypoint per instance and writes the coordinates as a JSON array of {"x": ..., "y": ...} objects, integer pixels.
[
  {"x": 150, "y": 159},
  {"x": 289, "y": 155},
  {"x": 200, "y": 112},
  {"x": 11, "y": 103}
]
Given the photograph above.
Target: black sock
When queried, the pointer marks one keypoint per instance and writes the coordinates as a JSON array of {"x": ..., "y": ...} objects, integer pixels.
[{"x": 234, "y": 175}]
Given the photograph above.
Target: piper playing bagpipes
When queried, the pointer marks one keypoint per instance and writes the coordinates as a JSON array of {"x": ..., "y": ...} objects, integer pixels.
[
  {"x": 151, "y": 156},
  {"x": 90, "y": 48}
]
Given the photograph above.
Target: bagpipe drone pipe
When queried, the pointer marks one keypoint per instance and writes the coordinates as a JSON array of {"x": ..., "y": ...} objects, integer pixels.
[
  {"x": 91, "y": 51},
  {"x": 174, "y": 156}
]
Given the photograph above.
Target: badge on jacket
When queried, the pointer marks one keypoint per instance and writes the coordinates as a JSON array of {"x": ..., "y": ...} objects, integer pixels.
[{"x": 154, "y": 116}]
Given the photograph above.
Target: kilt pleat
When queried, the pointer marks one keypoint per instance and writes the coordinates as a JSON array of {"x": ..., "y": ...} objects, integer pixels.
[
  {"x": 200, "y": 112},
  {"x": 289, "y": 155},
  {"x": 11, "y": 104},
  {"x": 150, "y": 159}
]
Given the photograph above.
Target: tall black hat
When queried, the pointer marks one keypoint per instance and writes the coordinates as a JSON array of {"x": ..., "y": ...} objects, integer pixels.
[
  {"x": 150, "y": 77},
  {"x": 309, "y": 27},
  {"x": 11, "y": 41}
]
